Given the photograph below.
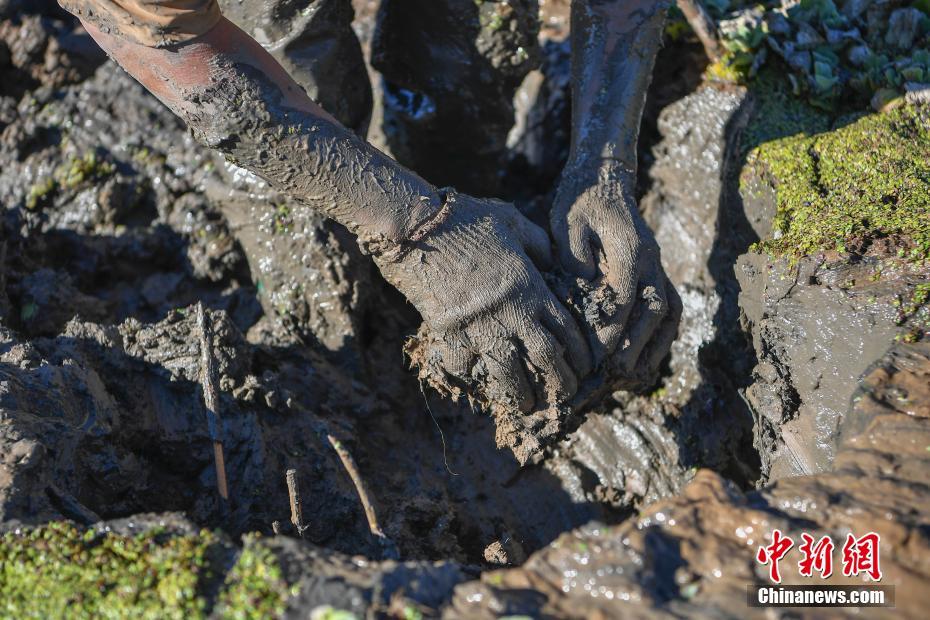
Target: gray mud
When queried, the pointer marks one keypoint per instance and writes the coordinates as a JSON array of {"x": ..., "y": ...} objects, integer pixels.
[{"x": 818, "y": 326}]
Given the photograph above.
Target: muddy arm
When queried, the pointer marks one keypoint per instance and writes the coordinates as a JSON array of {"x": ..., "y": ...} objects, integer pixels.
[
  {"x": 237, "y": 99},
  {"x": 598, "y": 231},
  {"x": 470, "y": 267},
  {"x": 614, "y": 47}
]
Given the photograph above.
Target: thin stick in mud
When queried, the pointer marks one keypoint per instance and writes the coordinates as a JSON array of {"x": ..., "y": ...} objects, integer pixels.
[
  {"x": 349, "y": 463},
  {"x": 703, "y": 25},
  {"x": 211, "y": 400},
  {"x": 293, "y": 494}
]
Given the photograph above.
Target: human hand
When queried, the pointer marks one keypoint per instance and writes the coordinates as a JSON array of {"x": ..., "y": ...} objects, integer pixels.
[
  {"x": 494, "y": 329},
  {"x": 621, "y": 289}
]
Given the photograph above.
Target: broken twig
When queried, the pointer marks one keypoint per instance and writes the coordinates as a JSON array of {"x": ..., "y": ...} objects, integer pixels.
[
  {"x": 349, "y": 463},
  {"x": 211, "y": 400},
  {"x": 293, "y": 493},
  {"x": 703, "y": 25}
]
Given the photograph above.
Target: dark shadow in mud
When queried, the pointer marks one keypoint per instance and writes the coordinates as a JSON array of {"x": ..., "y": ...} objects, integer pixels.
[
  {"x": 449, "y": 78},
  {"x": 142, "y": 273},
  {"x": 121, "y": 435},
  {"x": 111, "y": 434},
  {"x": 498, "y": 498},
  {"x": 664, "y": 555},
  {"x": 677, "y": 73}
]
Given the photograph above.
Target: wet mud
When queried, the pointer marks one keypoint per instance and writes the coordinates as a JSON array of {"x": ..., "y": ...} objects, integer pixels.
[
  {"x": 785, "y": 402},
  {"x": 693, "y": 555}
]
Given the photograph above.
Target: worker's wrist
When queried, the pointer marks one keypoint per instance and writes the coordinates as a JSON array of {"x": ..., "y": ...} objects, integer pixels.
[
  {"x": 418, "y": 223},
  {"x": 599, "y": 169}
]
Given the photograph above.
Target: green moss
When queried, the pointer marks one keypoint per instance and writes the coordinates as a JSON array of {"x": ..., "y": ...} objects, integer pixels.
[
  {"x": 327, "y": 612},
  {"x": 255, "y": 588},
  {"x": 867, "y": 179},
  {"x": 39, "y": 192},
  {"x": 282, "y": 220},
  {"x": 57, "y": 571},
  {"x": 80, "y": 169}
]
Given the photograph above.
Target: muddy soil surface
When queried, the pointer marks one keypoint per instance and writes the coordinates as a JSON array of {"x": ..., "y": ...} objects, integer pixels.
[
  {"x": 115, "y": 223},
  {"x": 692, "y": 555}
]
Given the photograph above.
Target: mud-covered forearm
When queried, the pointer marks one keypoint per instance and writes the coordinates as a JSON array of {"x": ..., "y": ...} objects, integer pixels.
[
  {"x": 237, "y": 99},
  {"x": 309, "y": 156},
  {"x": 614, "y": 46}
]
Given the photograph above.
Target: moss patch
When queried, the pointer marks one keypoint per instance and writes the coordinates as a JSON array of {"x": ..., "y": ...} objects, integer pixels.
[
  {"x": 77, "y": 170},
  {"x": 39, "y": 192},
  {"x": 255, "y": 587},
  {"x": 867, "y": 179},
  {"x": 57, "y": 571},
  {"x": 88, "y": 168}
]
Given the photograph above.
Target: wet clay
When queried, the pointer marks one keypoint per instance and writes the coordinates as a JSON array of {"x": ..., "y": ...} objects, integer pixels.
[{"x": 817, "y": 325}]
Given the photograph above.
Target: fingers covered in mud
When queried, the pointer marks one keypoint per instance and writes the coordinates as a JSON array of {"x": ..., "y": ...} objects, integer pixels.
[
  {"x": 493, "y": 330},
  {"x": 535, "y": 240},
  {"x": 558, "y": 320},
  {"x": 651, "y": 308},
  {"x": 554, "y": 379}
]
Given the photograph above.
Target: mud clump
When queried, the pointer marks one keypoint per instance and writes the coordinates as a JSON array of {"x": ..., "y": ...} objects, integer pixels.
[{"x": 48, "y": 51}]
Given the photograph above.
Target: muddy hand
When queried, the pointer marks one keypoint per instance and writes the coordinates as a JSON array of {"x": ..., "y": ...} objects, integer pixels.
[
  {"x": 601, "y": 238},
  {"x": 494, "y": 327},
  {"x": 599, "y": 234}
]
